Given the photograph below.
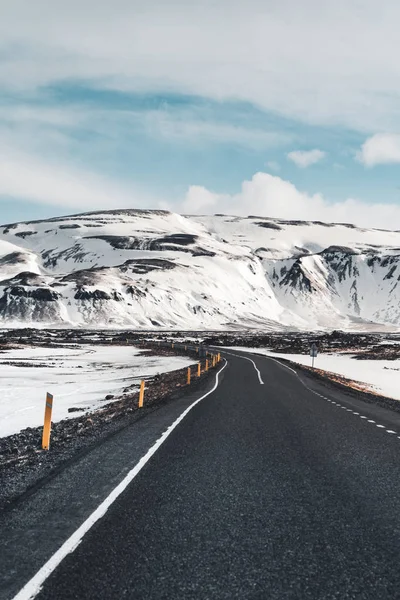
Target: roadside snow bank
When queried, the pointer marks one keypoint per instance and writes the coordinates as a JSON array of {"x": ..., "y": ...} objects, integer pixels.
[
  {"x": 380, "y": 376},
  {"x": 78, "y": 377}
]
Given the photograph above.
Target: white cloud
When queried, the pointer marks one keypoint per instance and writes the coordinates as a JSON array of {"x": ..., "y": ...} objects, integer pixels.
[
  {"x": 43, "y": 161},
  {"x": 306, "y": 158},
  {"x": 193, "y": 48},
  {"x": 271, "y": 196},
  {"x": 380, "y": 149},
  {"x": 200, "y": 200},
  {"x": 27, "y": 178}
]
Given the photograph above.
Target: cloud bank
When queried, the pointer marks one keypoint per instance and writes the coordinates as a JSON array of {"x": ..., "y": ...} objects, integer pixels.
[
  {"x": 27, "y": 178},
  {"x": 270, "y": 196},
  {"x": 330, "y": 64},
  {"x": 380, "y": 149}
]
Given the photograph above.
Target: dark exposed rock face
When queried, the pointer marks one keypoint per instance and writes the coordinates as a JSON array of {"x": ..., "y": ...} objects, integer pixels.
[
  {"x": 51, "y": 258},
  {"x": 341, "y": 261},
  {"x": 294, "y": 223},
  {"x": 69, "y": 226},
  {"x": 334, "y": 250},
  {"x": 13, "y": 259},
  {"x": 296, "y": 278},
  {"x": 146, "y": 265},
  {"x": 139, "y": 266},
  {"x": 83, "y": 294},
  {"x": 168, "y": 242},
  {"x": 84, "y": 277},
  {"x": 29, "y": 304},
  {"x": 95, "y": 295},
  {"x": 24, "y": 234},
  {"x": 268, "y": 225},
  {"x": 40, "y": 294},
  {"x": 25, "y": 278}
]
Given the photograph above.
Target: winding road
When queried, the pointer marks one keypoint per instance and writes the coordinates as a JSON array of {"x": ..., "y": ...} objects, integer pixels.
[{"x": 272, "y": 486}]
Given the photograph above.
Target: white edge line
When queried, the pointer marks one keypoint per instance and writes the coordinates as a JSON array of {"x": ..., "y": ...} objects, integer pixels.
[
  {"x": 316, "y": 393},
  {"x": 32, "y": 588},
  {"x": 282, "y": 364},
  {"x": 252, "y": 361}
]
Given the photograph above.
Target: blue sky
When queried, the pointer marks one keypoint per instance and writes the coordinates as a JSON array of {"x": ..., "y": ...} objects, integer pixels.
[{"x": 179, "y": 108}]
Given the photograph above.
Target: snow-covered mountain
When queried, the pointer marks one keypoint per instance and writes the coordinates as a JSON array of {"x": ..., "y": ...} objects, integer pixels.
[{"x": 156, "y": 269}]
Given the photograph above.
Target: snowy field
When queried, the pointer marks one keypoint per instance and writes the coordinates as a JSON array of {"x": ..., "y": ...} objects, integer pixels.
[
  {"x": 380, "y": 376},
  {"x": 78, "y": 377}
]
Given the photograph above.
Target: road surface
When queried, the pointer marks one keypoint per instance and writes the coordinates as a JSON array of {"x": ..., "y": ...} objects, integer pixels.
[{"x": 273, "y": 486}]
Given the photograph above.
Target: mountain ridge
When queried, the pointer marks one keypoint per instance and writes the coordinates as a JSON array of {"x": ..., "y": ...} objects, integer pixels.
[{"x": 146, "y": 269}]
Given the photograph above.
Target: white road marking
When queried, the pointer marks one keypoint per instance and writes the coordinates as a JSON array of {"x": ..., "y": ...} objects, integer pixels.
[
  {"x": 252, "y": 361},
  {"x": 283, "y": 365},
  {"x": 316, "y": 393},
  {"x": 332, "y": 401},
  {"x": 33, "y": 587}
]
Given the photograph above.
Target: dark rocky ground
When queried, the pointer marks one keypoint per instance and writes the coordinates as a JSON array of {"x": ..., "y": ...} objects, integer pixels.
[
  {"x": 368, "y": 346},
  {"x": 374, "y": 345}
]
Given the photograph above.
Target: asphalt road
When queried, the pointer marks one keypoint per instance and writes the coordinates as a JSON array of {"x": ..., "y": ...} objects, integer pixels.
[{"x": 281, "y": 490}]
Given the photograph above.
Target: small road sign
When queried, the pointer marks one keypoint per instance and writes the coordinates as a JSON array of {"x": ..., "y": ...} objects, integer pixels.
[{"x": 313, "y": 352}]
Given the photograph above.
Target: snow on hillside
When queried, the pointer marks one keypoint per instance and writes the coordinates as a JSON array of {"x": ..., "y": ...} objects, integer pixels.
[
  {"x": 279, "y": 239},
  {"x": 77, "y": 378},
  {"x": 156, "y": 269}
]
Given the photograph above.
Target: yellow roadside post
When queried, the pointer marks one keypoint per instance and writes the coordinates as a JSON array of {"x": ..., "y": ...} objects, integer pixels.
[
  {"x": 172, "y": 345},
  {"x": 206, "y": 364},
  {"x": 47, "y": 422},
  {"x": 141, "y": 394},
  {"x": 188, "y": 376},
  {"x": 199, "y": 370},
  {"x": 219, "y": 357}
]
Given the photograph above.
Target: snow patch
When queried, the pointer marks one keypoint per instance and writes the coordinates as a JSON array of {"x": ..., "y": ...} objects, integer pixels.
[{"x": 78, "y": 377}]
